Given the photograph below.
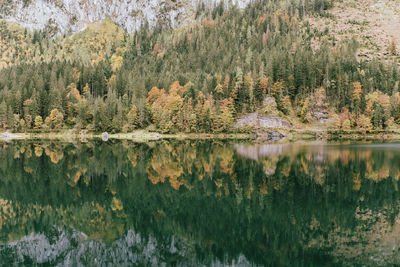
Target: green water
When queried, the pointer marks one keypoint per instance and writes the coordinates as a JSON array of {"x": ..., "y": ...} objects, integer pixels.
[{"x": 199, "y": 203}]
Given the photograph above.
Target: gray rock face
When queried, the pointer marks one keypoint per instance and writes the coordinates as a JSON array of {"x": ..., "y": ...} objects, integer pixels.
[
  {"x": 273, "y": 122},
  {"x": 320, "y": 116},
  {"x": 74, "y": 15},
  {"x": 254, "y": 119},
  {"x": 247, "y": 120}
]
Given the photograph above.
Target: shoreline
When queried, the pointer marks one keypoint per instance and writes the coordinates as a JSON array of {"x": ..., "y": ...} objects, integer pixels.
[
  {"x": 136, "y": 136},
  {"x": 145, "y": 136}
]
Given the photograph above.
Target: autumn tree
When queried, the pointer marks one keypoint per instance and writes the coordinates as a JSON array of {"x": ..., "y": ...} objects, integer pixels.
[
  {"x": 38, "y": 122},
  {"x": 223, "y": 118},
  {"x": 304, "y": 113},
  {"x": 357, "y": 91},
  {"x": 55, "y": 119},
  {"x": 263, "y": 85},
  {"x": 393, "y": 47},
  {"x": 249, "y": 87},
  {"x": 364, "y": 123},
  {"x": 132, "y": 118}
]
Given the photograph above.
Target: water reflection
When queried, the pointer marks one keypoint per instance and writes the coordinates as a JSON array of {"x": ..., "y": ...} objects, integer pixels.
[{"x": 191, "y": 203}]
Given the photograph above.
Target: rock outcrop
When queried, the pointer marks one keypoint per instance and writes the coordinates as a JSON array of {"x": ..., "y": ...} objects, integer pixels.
[{"x": 266, "y": 117}]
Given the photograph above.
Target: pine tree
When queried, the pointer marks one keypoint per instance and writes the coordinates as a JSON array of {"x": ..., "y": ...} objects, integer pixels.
[{"x": 3, "y": 114}]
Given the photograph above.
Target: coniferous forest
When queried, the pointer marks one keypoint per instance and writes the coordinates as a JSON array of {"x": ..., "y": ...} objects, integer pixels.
[{"x": 196, "y": 78}]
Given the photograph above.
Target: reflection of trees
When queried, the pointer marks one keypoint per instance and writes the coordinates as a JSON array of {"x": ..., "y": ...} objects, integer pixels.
[
  {"x": 174, "y": 162},
  {"x": 221, "y": 203},
  {"x": 315, "y": 161}
]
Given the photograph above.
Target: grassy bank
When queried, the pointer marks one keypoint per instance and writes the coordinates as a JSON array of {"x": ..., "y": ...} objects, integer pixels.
[{"x": 393, "y": 135}]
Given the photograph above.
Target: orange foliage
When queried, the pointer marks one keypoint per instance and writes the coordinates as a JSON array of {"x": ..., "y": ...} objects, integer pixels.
[
  {"x": 262, "y": 18},
  {"x": 208, "y": 23},
  {"x": 226, "y": 81},
  {"x": 156, "y": 49},
  {"x": 153, "y": 95},
  {"x": 176, "y": 89}
]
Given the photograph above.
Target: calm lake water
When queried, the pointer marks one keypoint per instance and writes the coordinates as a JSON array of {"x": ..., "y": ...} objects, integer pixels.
[{"x": 192, "y": 203}]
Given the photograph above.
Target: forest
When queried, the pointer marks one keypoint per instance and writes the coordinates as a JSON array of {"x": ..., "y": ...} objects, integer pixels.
[{"x": 197, "y": 78}]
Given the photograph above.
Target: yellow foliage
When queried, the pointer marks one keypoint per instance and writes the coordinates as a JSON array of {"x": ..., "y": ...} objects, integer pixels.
[
  {"x": 77, "y": 176},
  {"x": 357, "y": 91},
  {"x": 305, "y": 111},
  {"x": 175, "y": 183},
  {"x": 346, "y": 125},
  {"x": 55, "y": 156},
  {"x": 55, "y": 119},
  {"x": 116, "y": 62},
  {"x": 133, "y": 159},
  {"x": 28, "y": 169},
  {"x": 286, "y": 104},
  {"x": 373, "y": 97},
  {"x": 390, "y": 123},
  {"x": 264, "y": 188},
  {"x": 278, "y": 87},
  {"x": 357, "y": 182},
  {"x": 116, "y": 204},
  {"x": 38, "y": 151},
  {"x": 364, "y": 123}
]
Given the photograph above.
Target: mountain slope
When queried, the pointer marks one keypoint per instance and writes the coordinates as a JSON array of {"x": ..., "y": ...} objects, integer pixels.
[
  {"x": 97, "y": 42},
  {"x": 375, "y": 24}
]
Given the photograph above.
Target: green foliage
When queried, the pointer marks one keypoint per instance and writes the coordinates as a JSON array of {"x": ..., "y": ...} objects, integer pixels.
[{"x": 378, "y": 118}]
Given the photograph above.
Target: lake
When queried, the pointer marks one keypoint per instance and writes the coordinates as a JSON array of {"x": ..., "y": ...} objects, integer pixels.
[{"x": 190, "y": 203}]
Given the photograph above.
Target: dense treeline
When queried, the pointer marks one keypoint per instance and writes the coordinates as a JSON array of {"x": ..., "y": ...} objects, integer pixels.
[{"x": 211, "y": 72}]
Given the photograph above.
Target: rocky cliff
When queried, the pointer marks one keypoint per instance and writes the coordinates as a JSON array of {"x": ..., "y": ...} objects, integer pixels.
[{"x": 63, "y": 16}]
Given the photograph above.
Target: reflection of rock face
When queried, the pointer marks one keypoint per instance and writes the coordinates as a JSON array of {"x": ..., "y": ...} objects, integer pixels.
[
  {"x": 259, "y": 151},
  {"x": 129, "y": 249},
  {"x": 254, "y": 119},
  {"x": 41, "y": 248},
  {"x": 63, "y": 248},
  {"x": 264, "y": 135}
]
